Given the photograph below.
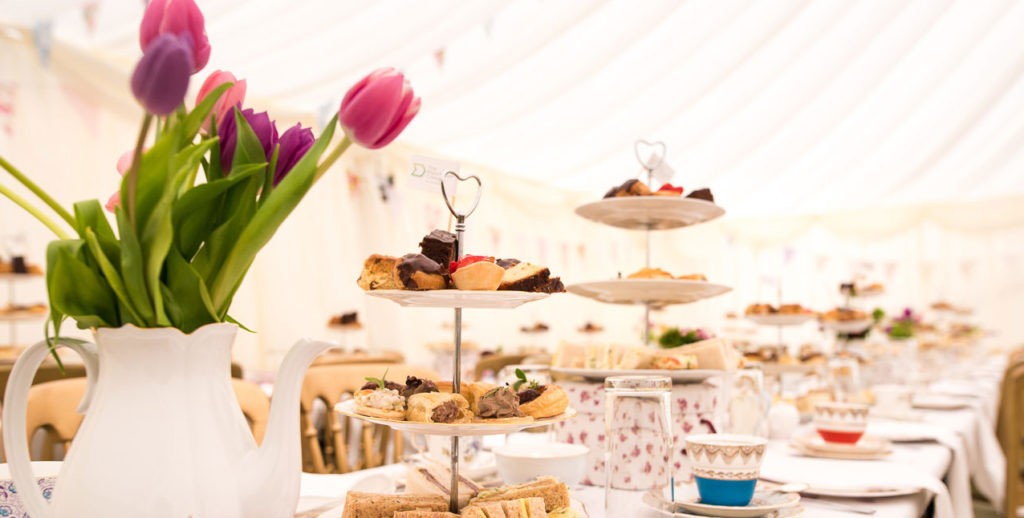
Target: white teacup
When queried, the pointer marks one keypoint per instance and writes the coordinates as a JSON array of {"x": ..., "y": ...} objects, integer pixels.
[
  {"x": 842, "y": 423},
  {"x": 439, "y": 447},
  {"x": 726, "y": 466}
]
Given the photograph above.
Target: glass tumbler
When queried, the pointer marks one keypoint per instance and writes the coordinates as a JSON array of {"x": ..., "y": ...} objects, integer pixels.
[{"x": 638, "y": 440}]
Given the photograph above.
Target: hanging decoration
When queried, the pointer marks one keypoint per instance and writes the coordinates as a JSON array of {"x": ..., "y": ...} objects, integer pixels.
[
  {"x": 324, "y": 113},
  {"x": 8, "y": 93},
  {"x": 89, "y": 12},
  {"x": 354, "y": 182},
  {"x": 42, "y": 38},
  {"x": 439, "y": 56}
]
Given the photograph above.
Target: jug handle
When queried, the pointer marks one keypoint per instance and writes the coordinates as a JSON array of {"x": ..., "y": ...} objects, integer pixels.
[{"x": 15, "y": 405}]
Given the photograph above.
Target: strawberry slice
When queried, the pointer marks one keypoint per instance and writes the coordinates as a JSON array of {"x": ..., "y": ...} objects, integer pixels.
[
  {"x": 468, "y": 260},
  {"x": 671, "y": 188}
]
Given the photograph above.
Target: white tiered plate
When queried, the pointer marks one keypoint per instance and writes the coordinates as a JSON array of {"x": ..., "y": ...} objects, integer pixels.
[
  {"x": 458, "y": 298},
  {"x": 764, "y": 503},
  {"x": 650, "y": 212},
  {"x": 681, "y": 375},
  {"x": 848, "y": 326},
  {"x": 348, "y": 408},
  {"x": 782, "y": 319},
  {"x": 654, "y": 291}
]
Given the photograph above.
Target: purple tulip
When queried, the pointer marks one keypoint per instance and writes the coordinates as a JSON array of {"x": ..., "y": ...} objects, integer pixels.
[
  {"x": 377, "y": 108},
  {"x": 160, "y": 80},
  {"x": 180, "y": 18},
  {"x": 294, "y": 144},
  {"x": 261, "y": 125}
]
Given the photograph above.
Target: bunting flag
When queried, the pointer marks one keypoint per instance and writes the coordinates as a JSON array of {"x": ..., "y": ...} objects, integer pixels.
[
  {"x": 787, "y": 254},
  {"x": 439, "y": 56},
  {"x": 495, "y": 237},
  {"x": 89, "y": 12},
  {"x": 8, "y": 92},
  {"x": 489, "y": 27},
  {"x": 42, "y": 38},
  {"x": 354, "y": 182},
  {"x": 324, "y": 113}
]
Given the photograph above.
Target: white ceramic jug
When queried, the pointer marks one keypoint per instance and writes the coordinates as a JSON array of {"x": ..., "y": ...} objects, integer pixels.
[{"x": 163, "y": 434}]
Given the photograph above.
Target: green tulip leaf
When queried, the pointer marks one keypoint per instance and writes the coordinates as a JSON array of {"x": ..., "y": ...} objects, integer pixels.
[
  {"x": 194, "y": 120},
  {"x": 133, "y": 269}
]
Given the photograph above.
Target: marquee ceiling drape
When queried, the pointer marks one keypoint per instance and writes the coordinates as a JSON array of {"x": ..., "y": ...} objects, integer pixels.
[{"x": 782, "y": 107}]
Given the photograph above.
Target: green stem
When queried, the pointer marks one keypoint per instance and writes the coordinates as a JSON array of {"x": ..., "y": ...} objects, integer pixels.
[
  {"x": 332, "y": 158},
  {"x": 31, "y": 209},
  {"x": 52, "y": 203},
  {"x": 132, "y": 176}
]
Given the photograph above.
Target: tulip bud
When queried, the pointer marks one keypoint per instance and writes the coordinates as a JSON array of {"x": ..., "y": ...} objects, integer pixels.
[
  {"x": 294, "y": 144},
  {"x": 262, "y": 126},
  {"x": 377, "y": 108},
  {"x": 234, "y": 96},
  {"x": 113, "y": 202},
  {"x": 180, "y": 18},
  {"x": 160, "y": 80}
]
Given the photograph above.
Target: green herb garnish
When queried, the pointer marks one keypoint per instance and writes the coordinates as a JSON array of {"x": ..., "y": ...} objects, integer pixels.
[
  {"x": 381, "y": 381},
  {"x": 521, "y": 380}
]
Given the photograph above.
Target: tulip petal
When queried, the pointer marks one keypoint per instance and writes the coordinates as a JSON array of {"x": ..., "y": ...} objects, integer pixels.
[
  {"x": 161, "y": 77},
  {"x": 399, "y": 125},
  {"x": 370, "y": 112}
]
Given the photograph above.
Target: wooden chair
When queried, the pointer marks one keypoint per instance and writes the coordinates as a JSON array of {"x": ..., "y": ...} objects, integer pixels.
[
  {"x": 336, "y": 358},
  {"x": 1012, "y": 420},
  {"x": 496, "y": 362},
  {"x": 52, "y": 408},
  {"x": 332, "y": 384}
]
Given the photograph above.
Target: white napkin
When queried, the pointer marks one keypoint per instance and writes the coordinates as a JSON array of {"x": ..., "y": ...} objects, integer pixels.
[
  {"x": 782, "y": 466},
  {"x": 958, "y": 479}
]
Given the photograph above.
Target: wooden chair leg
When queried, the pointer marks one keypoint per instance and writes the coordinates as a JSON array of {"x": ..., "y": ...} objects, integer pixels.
[
  {"x": 312, "y": 444},
  {"x": 367, "y": 447},
  {"x": 336, "y": 436},
  {"x": 399, "y": 447}
]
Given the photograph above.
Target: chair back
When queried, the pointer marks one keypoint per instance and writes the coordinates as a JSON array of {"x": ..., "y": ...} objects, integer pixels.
[
  {"x": 1012, "y": 420},
  {"x": 338, "y": 358},
  {"x": 331, "y": 384},
  {"x": 495, "y": 362},
  {"x": 52, "y": 407}
]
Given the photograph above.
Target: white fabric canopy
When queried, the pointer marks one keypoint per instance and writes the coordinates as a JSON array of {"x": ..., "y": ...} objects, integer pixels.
[{"x": 781, "y": 107}]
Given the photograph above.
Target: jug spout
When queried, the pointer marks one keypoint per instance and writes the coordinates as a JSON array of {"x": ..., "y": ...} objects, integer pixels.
[{"x": 270, "y": 474}]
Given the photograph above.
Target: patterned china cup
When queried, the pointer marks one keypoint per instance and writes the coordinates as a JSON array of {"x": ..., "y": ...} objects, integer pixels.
[
  {"x": 10, "y": 504},
  {"x": 726, "y": 466},
  {"x": 842, "y": 423}
]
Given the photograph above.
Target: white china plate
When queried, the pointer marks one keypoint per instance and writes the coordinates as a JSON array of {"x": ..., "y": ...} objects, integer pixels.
[
  {"x": 681, "y": 375},
  {"x": 939, "y": 402},
  {"x": 650, "y": 212},
  {"x": 654, "y": 291},
  {"x": 848, "y": 326},
  {"x": 348, "y": 408},
  {"x": 764, "y": 502},
  {"x": 867, "y": 444},
  {"x": 782, "y": 319},
  {"x": 458, "y": 298}
]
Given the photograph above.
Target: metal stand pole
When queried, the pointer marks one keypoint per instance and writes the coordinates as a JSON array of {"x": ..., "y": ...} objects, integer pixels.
[{"x": 453, "y": 501}]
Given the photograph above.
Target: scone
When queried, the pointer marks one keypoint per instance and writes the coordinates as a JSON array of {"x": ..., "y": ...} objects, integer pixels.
[
  {"x": 476, "y": 273},
  {"x": 542, "y": 402},
  {"x": 650, "y": 273},
  {"x": 379, "y": 273},
  {"x": 419, "y": 272},
  {"x": 693, "y": 277},
  {"x": 438, "y": 407}
]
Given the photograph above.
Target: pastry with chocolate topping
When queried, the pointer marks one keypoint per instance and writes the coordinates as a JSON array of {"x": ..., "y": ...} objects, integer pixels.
[
  {"x": 507, "y": 263},
  {"x": 631, "y": 187},
  {"x": 702, "y": 194},
  {"x": 419, "y": 272}
]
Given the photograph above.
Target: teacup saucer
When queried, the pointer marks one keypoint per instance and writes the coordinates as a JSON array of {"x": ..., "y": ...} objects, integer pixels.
[
  {"x": 868, "y": 448},
  {"x": 763, "y": 503}
]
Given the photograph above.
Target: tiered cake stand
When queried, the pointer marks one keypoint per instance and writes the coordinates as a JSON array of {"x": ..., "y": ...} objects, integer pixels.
[
  {"x": 649, "y": 213},
  {"x": 457, "y": 299},
  {"x": 14, "y": 318}
]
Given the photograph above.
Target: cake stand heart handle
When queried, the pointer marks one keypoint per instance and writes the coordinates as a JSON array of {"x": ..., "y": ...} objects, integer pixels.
[
  {"x": 650, "y": 145},
  {"x": 448, "y": 201}
]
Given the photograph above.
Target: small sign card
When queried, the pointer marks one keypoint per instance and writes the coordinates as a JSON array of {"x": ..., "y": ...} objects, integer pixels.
[{"x": 427, "y": 173}]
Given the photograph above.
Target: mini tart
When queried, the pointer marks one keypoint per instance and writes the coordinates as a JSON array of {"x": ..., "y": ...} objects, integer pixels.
[
  {"x": 479, "y": 276},
  {"x": 551, "y": 402},
  {"x": 693, "y": 277},
  {"x": 365, "y": 405},
  {"x": 650, "y": 273},
  {"x": 473, "y": 392}
]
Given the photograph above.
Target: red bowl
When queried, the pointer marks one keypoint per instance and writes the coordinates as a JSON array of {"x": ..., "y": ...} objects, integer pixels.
[{"x": 840, "y": 437}]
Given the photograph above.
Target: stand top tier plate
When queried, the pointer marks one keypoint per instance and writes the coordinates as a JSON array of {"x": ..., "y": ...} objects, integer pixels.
[
  {"x": 475, "y": 428},
  {"x": 650, "y": 212},
  {"x": 782, "y": 319},
  {"x": 458, "y": 298},
  {"x": 648, "y": 291}
]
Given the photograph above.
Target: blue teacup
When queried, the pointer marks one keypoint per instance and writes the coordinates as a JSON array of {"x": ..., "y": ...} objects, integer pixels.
[{"x": 726, "y": 466}]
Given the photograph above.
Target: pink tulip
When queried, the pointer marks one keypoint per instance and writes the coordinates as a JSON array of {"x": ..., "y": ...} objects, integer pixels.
[
  {"x": 181, "y": 18},
  {"x": 123, "y": 163},
  {"x": 113, "y": 202},
  {"x": 234, "y": 96},
  {"x": 377, "y": 108}
]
